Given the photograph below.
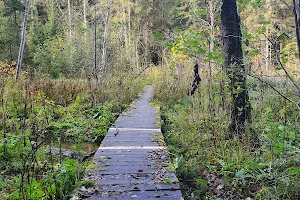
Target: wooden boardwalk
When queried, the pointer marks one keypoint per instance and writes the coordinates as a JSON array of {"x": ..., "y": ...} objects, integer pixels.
[{"x": 132, "y": 162}]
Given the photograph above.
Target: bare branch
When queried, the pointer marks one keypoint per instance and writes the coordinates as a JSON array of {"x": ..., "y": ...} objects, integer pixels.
[
  {"x": 142, "y": 71},
  {"x": 287, "y": 5},
  {"x": 277, "y": 91},
  {"x": 277, "y": 54}
]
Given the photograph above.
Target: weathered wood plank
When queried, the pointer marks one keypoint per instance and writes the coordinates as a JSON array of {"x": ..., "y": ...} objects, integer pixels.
[{"x": 174, "y": 195}]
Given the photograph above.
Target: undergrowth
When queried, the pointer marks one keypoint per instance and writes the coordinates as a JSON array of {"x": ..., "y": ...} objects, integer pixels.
[
  {"x": 209, "y": 165},
  {"x": 36, "y": 114}
]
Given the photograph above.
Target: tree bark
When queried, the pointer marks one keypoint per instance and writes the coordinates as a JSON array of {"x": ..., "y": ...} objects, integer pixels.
[
  {"x": 70, "y": 19},
  {"x": 105, "y": 40},
  {"x": 297, "y": 22},
  {"x": 23, "y": 40},
  {"x": 95, "y": 47},
  {"x": 267, "y": 52},
  {"x": 85, "y": 35},
  {"x": 212, "y": 26},
  {"x": 196, "y": 81},
  {"x": 240, "y": 110},
  {"x": 15, "y": 37},
  {"x": 84, "y": 21},
  {"x": 210, "y": 49}
]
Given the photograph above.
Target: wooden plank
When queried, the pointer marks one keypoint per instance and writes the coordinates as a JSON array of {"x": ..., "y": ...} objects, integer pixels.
[
  {"x": 138, "y": 195},
  {"x": 139, "y": 187},
  {"x": 133, "y": 179},
  {"x": 136, "y": 129},
  {"x": 129, "y": 181},
  {"x": 107, "y": 156},
  {"x": 110, "y": 171},
  {"x": 128, "y": 143},
  {"x": 130, "y": 168},
  {"x": 130, "y": 147},
  {"x": 125, "y": 159}
]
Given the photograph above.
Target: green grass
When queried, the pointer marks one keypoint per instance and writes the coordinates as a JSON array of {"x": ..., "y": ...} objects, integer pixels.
[
  {"x": 38, "y": 113},
  {"x": 210, "y": 165}
]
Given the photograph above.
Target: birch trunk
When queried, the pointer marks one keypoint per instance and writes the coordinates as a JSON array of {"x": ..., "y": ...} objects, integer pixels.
[
  {"x": 210, "y": 48},
  {"x": 211, "y": 39},
  {"x": 267, "y": 51},
  {"x": 84, "y": 21},
  {"x": 95, "y": 48},
  {"x": 23, "y": 39},
  {"x": 70, "y": 19},
  {"x": 85, "y": 35},
  {"x": 137, "y": 50},
  {"x": 105, "y": 40},
  {"x": 297, "y": 22},
  {"x": 129, "y": 20}
]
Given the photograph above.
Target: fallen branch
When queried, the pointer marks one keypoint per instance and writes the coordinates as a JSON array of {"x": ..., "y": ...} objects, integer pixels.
[
  {"x": 142, "y": 71},
  {"x": 89, "y": 156}
]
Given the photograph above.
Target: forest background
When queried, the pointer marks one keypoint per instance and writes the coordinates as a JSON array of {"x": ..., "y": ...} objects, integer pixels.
[{"x": 85, "y": 61}]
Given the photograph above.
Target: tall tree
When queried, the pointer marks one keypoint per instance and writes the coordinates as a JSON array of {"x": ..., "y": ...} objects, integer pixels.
[
  {"x": 105, "y": 40},
  {"x": 23, "y": 40},
  {"x": 84, "y": 21},
  {"x": 70, "y": 18},
  {"x": 95, "y": 46},
  {"x": 240, "y": 112},
  {"x": 297, "y": 22}
]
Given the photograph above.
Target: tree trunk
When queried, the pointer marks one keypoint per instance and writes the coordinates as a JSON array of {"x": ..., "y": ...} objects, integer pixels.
[
  {"x": 210, "y": 49},
  {"x": 95, "y": 48},
  {"x": 129, "y": 20},
  {"x": 297, "y": 22},
  {"x": 70, "y": 19},
  {"x": 240, "y": 110},
  {"x": 196, "y": 81},
  {"x": 23, "y": 40},
  {"x": 105, "y": 40},
  {"x": 137, "y": 50},
  {"x": 84, "y": 21},
  {"x": 267, "y": 52},
  {"x": 212, "y": 26},
  {"x": 146, "y": 34},
  {"x": 15, "y": 37}
]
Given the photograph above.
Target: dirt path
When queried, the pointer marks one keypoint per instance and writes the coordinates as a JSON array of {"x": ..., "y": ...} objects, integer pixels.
[{"x": 132, "y": 162}]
